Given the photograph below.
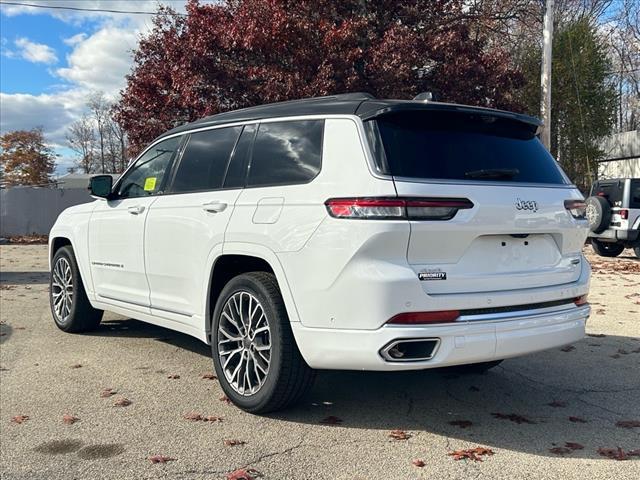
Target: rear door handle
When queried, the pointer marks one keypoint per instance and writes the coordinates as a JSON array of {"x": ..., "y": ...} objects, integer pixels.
[
  {"x": 135, "y": 209},
  {"x": 214, "y": 206}
]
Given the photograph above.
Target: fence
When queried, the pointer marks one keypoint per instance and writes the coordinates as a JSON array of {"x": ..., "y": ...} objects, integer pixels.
[{"x": 33, "y": 210}]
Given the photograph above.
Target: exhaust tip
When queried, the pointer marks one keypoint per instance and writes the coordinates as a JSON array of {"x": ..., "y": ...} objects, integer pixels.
[{"x": 410, "y": 349}]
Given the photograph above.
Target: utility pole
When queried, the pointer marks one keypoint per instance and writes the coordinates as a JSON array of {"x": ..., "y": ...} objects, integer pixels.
[{"x": 545, "y": 77}]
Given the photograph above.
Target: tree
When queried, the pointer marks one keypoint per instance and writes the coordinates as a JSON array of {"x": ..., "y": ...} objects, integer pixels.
[
  {"x": 25, "y": 159},
  {"x": 82, "y": 140},
  {"x": 239, "y": 53},
  {"x": 583, "y": 100},
  {"x": 100, "y": 109}
]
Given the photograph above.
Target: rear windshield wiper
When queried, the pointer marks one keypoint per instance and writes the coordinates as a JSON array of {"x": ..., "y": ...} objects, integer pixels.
[{"x": 498, "y": 173}]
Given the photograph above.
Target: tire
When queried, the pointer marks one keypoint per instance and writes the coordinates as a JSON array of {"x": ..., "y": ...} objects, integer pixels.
[
  {"x": 475, "y": 368},
  {"x": 73, "y": 313},
  {"x": 598, "y": 213},
  {"x": 268, "y": 386},
  {"x": 636, "y": 250},
  {"x": 606, "y": 249}
]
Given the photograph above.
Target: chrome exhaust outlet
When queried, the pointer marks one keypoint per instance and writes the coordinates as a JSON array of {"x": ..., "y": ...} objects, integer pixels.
[{"x": 410, "y": 349}]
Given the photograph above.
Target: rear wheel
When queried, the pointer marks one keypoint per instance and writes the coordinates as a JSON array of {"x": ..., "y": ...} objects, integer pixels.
[
  {"x": 475, "y": 368},
  {"x": 254, "y": 353},
  {"x": 636, "y": 250},
  {"x": 606, "y": 249},
  {"x": 70, "y": 306}
]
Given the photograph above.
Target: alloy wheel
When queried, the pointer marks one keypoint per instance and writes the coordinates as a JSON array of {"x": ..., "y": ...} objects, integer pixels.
[{"x": 62, "y": 289}]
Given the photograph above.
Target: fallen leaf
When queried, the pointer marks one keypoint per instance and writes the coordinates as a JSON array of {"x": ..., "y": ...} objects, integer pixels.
[
  {"x": 160, "y": 459},
  {"x": 574, "y": 446},
  {"x": 418, "y": 462},
  {"x": 243, "y": 474},
  {"x": 600, "y": 311},
  {"x": 212, "y": 418},
  {"x": 399, "y": 435},
  {"x": 20, "y": 418},
  {"x": 107, "y": 392},
  {"x": 471, "y": 453},
  {"x": 209, "y": 376},
  {"x": 568, "y": 348},
  {"x": 225, "y": 399},
  {"x": 557, "y": 404},
  {"x": 69, "y": 419},
  {"x": 628, "y": 423},
  {"x": 514, "y": 417},
  {"x": 577, "y": 420},
  {"x": 461, "y": 423},
  {"x": 173, "y": 377},
  {"x": 122, "y": 402},
  {"x": 560, "y": 450},
  {"x": 331, "y": 420},
  {"x": 234, "y": 443},
  {"x": 193, "y": 416},
  {"x": 76, "y": 365}
]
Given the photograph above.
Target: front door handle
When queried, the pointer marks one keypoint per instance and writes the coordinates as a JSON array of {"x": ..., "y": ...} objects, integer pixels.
[
  {"x": 135, "y": 209},
  {"x": 214, "y": 206}
]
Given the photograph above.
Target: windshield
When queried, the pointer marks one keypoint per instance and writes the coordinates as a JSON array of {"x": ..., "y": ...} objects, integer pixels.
[{"x": 460, "y": 146}]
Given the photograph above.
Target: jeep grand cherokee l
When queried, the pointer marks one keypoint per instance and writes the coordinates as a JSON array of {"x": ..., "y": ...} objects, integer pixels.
[{"x": 342, "y": 232}]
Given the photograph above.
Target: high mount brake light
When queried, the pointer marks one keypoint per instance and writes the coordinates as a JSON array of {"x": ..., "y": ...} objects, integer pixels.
[
  {"x": 396, "y": 208},
  {"x": 577, "y": 208}
]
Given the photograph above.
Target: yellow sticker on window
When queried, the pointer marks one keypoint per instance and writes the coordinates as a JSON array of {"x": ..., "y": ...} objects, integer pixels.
[{"x": 150, "y": 184}]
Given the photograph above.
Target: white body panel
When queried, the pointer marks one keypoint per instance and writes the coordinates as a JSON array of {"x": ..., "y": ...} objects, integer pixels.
[{"x": 342, "y": 280}]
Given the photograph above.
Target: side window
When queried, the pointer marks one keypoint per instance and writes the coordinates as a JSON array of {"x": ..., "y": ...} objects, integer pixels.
[
  {"x": 237, "y": 170},
  {"x": 147, "y": 175},
  {"x": 286, "y": 153},
  {"x": 205, "y": 160}
]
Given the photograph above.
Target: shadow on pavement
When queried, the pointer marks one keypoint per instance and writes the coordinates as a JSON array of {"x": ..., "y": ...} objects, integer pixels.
[
  {"x": 24, "y": 278},
  {"x": 552, "y": 397}
]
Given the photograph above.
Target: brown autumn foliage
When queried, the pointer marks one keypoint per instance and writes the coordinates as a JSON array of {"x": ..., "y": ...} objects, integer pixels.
[
  {"x": 399, "y": 435},
  {"x": 160, "y": 459},
  {"x": 243, "y": 474},
  {"x": 25, "y": 159},
  {"x": 471, "y": 453},
  {"x": 513, "y": 417}
]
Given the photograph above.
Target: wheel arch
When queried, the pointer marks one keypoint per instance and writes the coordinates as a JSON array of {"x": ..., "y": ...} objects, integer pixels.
[{"x": 238, "y": 259}]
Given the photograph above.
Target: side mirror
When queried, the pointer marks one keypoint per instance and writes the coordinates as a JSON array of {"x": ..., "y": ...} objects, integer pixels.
[{"x": 100, "y": 186}]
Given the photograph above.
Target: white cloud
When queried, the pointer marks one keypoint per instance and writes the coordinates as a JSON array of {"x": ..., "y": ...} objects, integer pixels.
[
  {"x": 35, "y": 52},
  {"x": 71, "y": 41},
  {"x": 101, "y": 61}
]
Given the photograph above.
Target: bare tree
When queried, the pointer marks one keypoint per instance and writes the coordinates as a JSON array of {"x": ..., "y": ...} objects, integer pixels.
[
  {"x": 82, "y": 140},
  {"x": 99, "y": 108}
]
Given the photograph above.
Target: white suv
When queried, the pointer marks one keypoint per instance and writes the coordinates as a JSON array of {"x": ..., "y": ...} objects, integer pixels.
[{"x": 341, "y": 232}]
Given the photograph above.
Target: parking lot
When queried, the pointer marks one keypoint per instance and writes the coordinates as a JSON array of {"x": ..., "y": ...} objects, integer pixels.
[{"x": 548, "y": 415}]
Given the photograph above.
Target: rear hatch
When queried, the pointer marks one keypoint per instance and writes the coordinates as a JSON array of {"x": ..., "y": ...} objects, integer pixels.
[{"x": 518, "y": 234}]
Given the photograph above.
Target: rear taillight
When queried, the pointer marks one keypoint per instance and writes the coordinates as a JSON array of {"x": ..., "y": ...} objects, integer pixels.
[
  {"x": 624, "y": 214},
  {"x": 396, "y": 208},
  {"x": 577, "y": 208},
  {"x": 420, "y": 318},
  {"x": 579, "y": 301}
]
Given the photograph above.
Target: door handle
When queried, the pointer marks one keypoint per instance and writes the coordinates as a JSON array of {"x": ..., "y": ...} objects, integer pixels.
[
  {"x": 135, "y": 210},
  {"x": 214, "y": 206}
]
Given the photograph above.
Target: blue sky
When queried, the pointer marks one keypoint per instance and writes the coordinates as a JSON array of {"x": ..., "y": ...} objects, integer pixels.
[{"x": 51, "y": 60}]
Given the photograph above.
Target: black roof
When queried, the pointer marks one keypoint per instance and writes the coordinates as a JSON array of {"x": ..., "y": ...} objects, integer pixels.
[{"x": 362, "y": 104}]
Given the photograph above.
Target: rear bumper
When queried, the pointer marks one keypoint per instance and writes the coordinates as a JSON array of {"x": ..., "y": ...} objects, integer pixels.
[
  {"x": 617, "y": 235},
  {"x": 460, "y": 343}
]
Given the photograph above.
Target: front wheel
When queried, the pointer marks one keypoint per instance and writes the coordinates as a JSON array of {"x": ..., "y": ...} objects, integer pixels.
[
  {"x": 606, "y": 249},
  {"x": 70, "y": 306},
  {"x": 254, "y": 353}
]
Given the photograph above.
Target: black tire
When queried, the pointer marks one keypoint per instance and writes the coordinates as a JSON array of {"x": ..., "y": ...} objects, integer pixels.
[
  {"x": 606, "y": 249},
  {"x": 636, "y": 250},
  {"x": 288, "y": 376},
  {"x": 598, "y": 213},
  {"x": 81, "y": 317},
  {"x": 475, "y": 368}
]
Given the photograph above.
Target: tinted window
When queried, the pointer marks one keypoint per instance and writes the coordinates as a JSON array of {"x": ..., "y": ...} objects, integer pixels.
[
  {"x": 237, "y": 171},
  {"x": 286, "y": 153},
  {"x": 147, "y": 176},
  {"x": 634, "y": 199},
  {"x": 457, "y": 146},
  {"x": 612, "y": 190},
  {"x": 204, "y": 161}
]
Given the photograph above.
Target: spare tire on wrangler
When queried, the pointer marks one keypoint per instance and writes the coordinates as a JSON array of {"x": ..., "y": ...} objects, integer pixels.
[{"x": 598, "y": 213}]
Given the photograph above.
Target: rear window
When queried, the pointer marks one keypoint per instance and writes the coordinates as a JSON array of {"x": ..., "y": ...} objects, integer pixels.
[
  {"x": 634, "y": 199},
  {"x": 612, "y": 190},
  {"x": 460, "y": 146}
]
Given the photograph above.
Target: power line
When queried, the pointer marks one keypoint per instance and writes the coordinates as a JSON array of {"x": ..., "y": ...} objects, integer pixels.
[{"x": 80, "y": 9}]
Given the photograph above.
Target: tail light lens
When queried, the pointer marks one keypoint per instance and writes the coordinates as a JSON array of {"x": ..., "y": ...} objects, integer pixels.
[
  {"x": 579, "y": 301},
  {"x": 577, "y": 208},
  {"x": 421, "y": 318},
  {"x": 397, "y": 208},
  {"x": 624, "y": 214}
]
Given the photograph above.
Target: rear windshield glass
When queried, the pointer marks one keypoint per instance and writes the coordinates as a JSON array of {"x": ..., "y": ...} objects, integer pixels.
[
  {"x": 612, "y": 190},
  {"x": 460, "y": 146},
  {"x": 634, "y": 197}
]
